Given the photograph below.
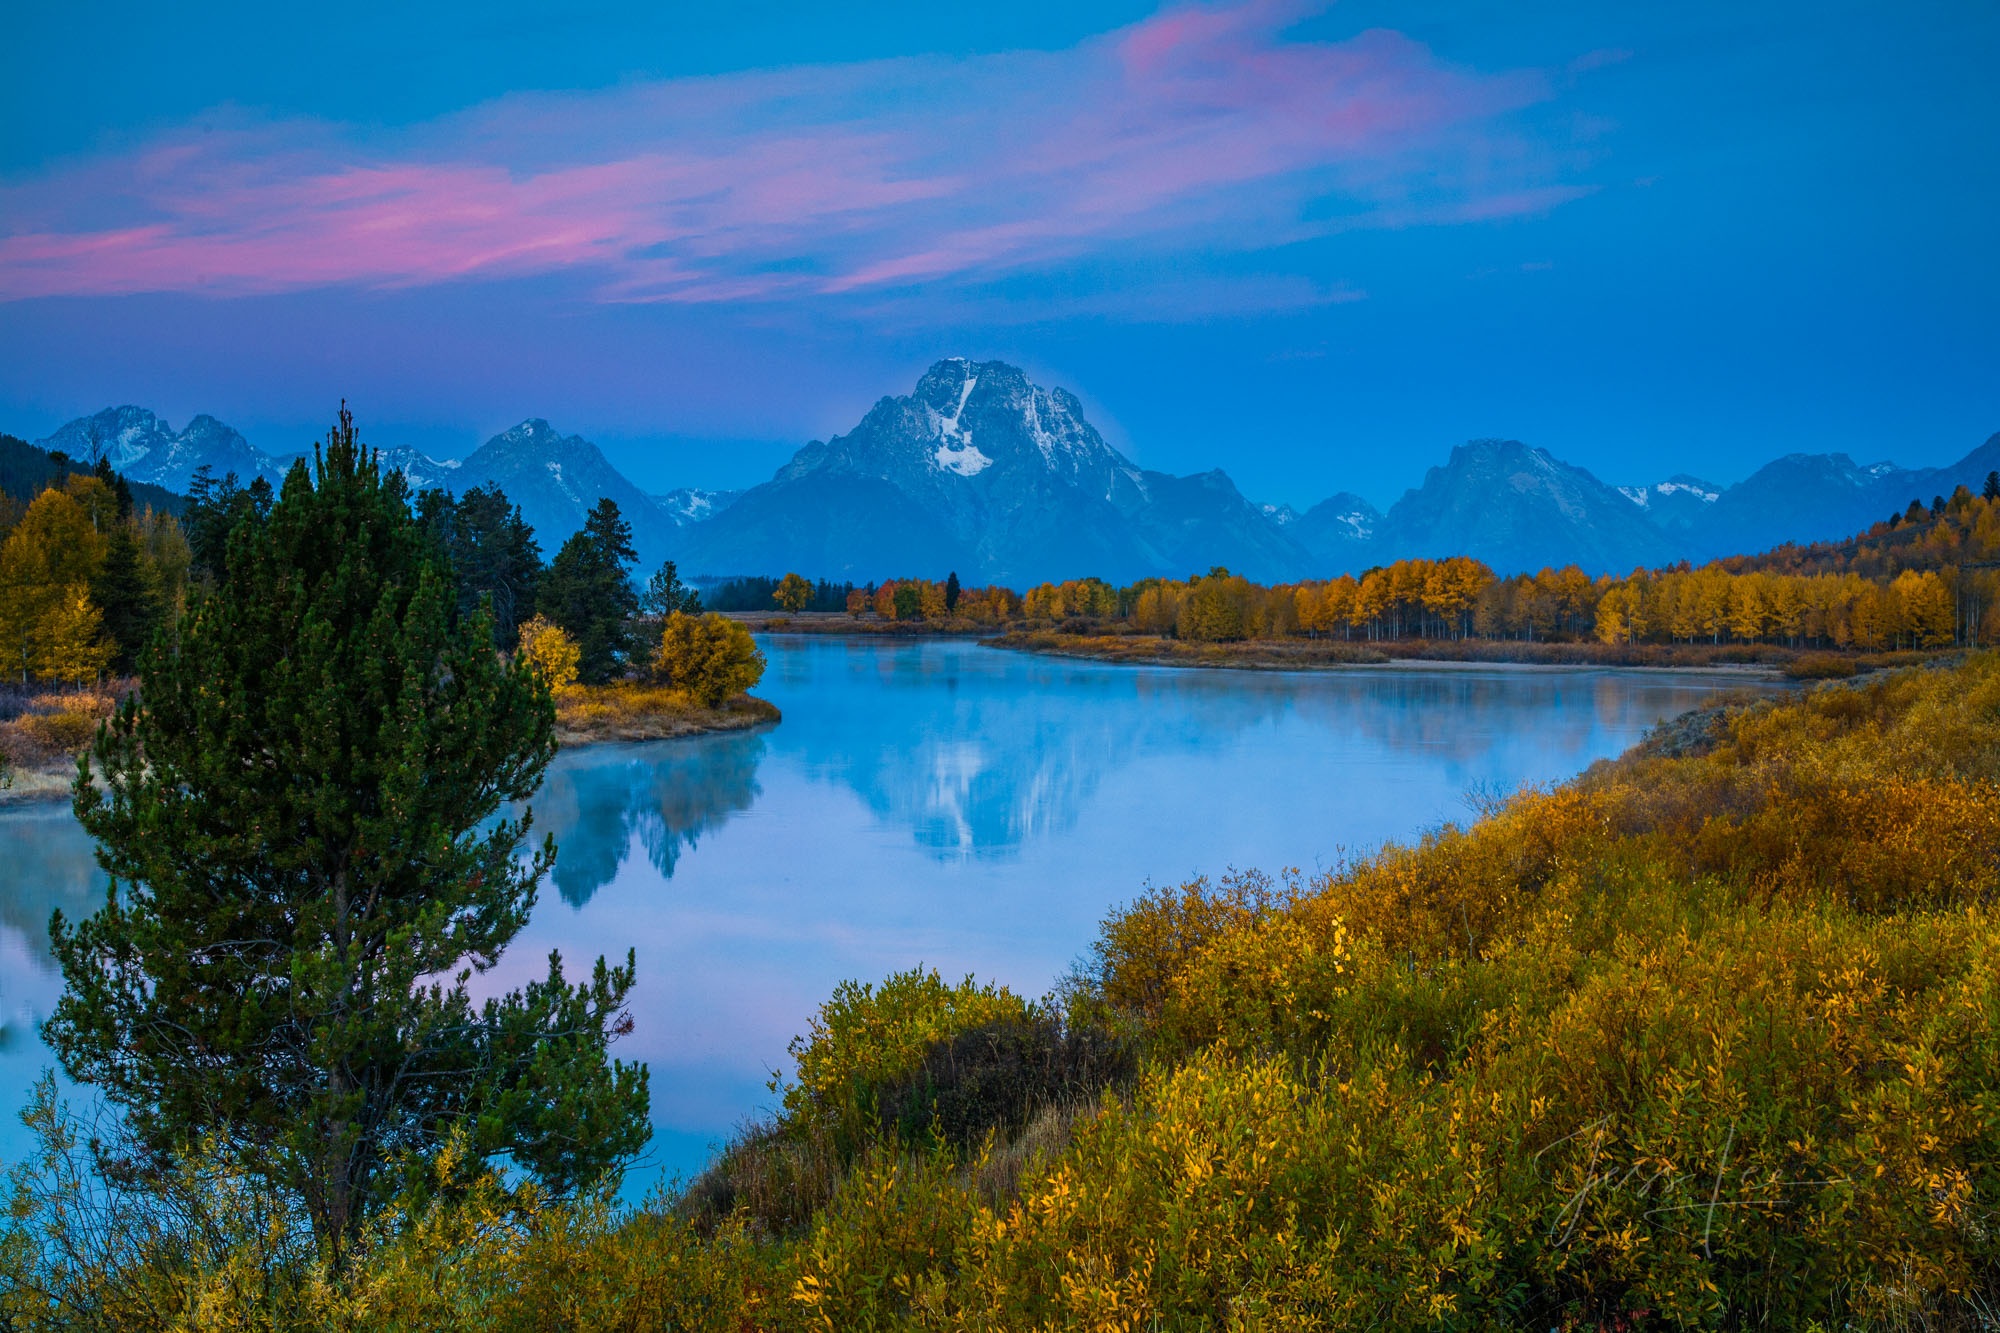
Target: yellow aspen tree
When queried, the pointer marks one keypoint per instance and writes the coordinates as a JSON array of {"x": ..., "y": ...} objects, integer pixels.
[
  {"x": 70, "y": 646},
  {"x": 793, "y": 592}
]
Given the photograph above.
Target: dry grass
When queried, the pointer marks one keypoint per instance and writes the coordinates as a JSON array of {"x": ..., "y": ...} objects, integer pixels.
[
  {"x": 42, "y": 734},
  {"x": 625, "y": 711}
]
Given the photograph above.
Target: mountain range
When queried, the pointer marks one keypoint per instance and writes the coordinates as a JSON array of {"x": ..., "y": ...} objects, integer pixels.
[
  {"x": 982, "y": 471},
  {"x": 554, "y": 478}
]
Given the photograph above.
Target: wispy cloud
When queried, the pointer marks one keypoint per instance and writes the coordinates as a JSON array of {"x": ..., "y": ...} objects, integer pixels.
[{"x": 1200, "y": 129}]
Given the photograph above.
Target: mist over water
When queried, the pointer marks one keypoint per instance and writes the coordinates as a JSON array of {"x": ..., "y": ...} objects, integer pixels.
[{"x": 936, "y": 803}]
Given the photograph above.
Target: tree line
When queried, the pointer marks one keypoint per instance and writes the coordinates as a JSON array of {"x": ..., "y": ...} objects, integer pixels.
[
  {"x": 87, "y": 575},
  {"x": 1924, "y": 578}
]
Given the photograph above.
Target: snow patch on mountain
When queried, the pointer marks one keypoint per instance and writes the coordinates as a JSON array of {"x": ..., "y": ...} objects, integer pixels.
[
  {"x": 1361, "y": 525},
  {"x": 962, "y": 457},
  {"x": 689, "y": 505},
  {"x": 956, "y": 451},
  {"x": 1643, "y": 496}
]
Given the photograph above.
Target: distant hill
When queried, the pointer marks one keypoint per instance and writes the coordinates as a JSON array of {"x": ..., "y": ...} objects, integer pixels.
[
  {"x": 1518, "y": 508},
  {"x": 26, "y": 470},
  {"x": 556, "y": 479},
  {"x": 144, "y": 448}
]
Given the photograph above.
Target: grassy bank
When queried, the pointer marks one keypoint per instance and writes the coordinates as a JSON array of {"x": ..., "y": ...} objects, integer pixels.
[
  {"x": 1706, "y": 1037},
  {"x": 629, "y": 711},
  {"x": 841, "y": 624},
  {"x": 1312, "y": 654}
]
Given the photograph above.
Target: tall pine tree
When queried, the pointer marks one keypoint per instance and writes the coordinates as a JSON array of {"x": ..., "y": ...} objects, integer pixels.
[
  {"x": 492, "y": 552},
  {"x": 587, "y": 589},
  {"x": 125, "y": 592},
  {"x": 299, "y": 820},
  {"x": 666, "y": 594}
]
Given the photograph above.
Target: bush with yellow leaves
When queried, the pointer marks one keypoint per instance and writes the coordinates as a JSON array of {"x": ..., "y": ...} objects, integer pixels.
[
  {"x": 550, "y": 650},
  {"x": 708, "y": 657}
]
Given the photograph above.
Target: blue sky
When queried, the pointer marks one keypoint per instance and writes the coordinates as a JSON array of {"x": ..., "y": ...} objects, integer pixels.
[{"x": 1315, "y": 245}]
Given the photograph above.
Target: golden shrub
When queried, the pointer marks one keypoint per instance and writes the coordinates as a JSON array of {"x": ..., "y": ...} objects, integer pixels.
[
  {"x": 552, "y": 653},
  {"x": 59, "y": 733},
  {"x": 708, "y": 657}
]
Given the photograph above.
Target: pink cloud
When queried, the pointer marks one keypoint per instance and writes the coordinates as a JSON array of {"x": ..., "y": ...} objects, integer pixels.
[{"x": 1201, "y": 127}]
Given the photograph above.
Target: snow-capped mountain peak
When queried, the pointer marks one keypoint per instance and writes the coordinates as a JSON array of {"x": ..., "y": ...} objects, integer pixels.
[
  {"x": 146, "y": 449},
  {"x": 1679, "y": 488},
  {"x": 980, "y": 468},
  {"x": 956, "y": 452}
]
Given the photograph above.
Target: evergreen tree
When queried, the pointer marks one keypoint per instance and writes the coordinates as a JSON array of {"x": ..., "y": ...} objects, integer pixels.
[
  {"x": 1992, "y": 488},
  {"x": 492, "y": 551},
  {"x": 951, "y": 592},
  {"x": 588, "y": 591},
  {"x": 666, "y": 594},
  {"x": 299, "y": 820},
  {"x": 126, "y": 595},
  {"x": 214, "y": 509}
]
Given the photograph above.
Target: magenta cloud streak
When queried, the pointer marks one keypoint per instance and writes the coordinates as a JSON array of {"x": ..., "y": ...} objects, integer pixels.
[{"x": 1202, "y": 127}]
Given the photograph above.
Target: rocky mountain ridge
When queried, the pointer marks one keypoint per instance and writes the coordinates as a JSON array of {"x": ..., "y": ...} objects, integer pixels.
[{"x": 980, "y": 470}]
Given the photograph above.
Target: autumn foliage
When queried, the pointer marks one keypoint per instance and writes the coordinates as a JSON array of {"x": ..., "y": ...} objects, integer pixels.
[
  {"x": 75, "y": 552},
  {"x": 553, "y": 654},
  {"x": 708, "y": 657}
]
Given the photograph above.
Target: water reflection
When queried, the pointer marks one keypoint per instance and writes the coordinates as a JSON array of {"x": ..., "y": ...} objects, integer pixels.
[
  {"x": 981, "y": 753},
  {"x": 667, "y": 796},
  {"x": 940, "y": 804}
]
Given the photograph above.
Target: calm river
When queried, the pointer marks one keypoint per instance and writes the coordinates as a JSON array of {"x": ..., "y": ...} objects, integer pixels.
[{"x": 936, "y": 803}]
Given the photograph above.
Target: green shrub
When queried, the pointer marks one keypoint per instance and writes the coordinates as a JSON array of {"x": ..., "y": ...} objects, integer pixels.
[{"x": 866, "y": 1037}]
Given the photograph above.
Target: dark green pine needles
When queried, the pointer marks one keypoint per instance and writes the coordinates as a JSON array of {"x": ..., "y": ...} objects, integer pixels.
[
  {"x": 587, "y": 590},
  {"x": 299, "y": 823}
]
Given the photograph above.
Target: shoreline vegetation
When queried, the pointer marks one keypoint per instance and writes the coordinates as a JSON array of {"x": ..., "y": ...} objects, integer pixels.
[
  {"x": 1326, "y": 654},
  {"x": 1706, "y": 1036},
  {"x": 631, "y": 711},
  {"x": 1113, "y": 642}
]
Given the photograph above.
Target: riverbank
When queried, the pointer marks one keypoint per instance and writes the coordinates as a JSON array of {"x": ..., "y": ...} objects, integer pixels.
[
  {"x": 41, "y": 746},
  {"x": 1751, "y": 660}
]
